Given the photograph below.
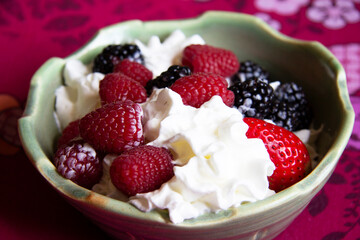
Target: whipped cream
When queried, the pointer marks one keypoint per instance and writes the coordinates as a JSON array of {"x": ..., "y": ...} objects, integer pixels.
[
  {"x": 216, "y": 165},
  {"x": 159, "y": 56},
  {"x": 79, "y": 95}
]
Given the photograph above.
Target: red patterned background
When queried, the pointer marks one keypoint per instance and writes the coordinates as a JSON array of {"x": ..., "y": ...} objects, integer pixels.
[{"x": 32, "y": 31}]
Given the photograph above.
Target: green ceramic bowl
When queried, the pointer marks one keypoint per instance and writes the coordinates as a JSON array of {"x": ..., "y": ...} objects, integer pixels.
[{"x": 308, "y": 63}]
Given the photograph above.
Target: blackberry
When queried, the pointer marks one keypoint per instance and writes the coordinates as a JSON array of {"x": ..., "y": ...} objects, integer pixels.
[
  {"x": 248, "y": 70},
  {"x": 113, "y": 54},
  {"x": 167, "y": 78},
  {"x": 290, "y": 93},
  {"x": 291, "y": 109},
  {"x": 253, "y": 98}
]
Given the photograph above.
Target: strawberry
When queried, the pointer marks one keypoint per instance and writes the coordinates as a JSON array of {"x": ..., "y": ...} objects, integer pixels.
[
  {"x": 198, "y": 88},
  {"x": 78, "y": 162},
  {"x": 119, "y": 87},
  {"x": 141, "y": 169},
  {"x": 70, "y": 132},
  {"x": 114, "y": 127},
  {"x": 206, "y": 58},
  {"x": 134, "y": 70},
  {"x": 286, "y": 150}
]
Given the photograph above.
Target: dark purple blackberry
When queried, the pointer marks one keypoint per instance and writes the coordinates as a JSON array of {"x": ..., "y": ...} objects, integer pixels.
[
  {"x": 248, "y": 70},
  {"x": 291, "y": 109},
  {"x": 253, "y": 98},
  {"x": 113, "y": 54},
  {"x": 290, "y": 93},
  {"x": 167, "y": 78}
]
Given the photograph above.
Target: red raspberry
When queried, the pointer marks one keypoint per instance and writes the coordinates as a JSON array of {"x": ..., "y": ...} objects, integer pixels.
[
  {"x": 134, "y": 70},
  {"x": 69, "y": 133},
  {"x": 119, "y": 87},
  {"x": 142, "y": 169},
  {"x": 206, "y": 58},
  {"x": 286, "y": 150},
  {"x": 78, "y": 162},
  {"x": 114, "y": 127},
  {"x": 198, "y": 88}
]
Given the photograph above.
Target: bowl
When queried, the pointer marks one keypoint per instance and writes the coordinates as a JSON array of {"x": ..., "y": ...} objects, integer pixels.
[{"x": 307, "y": 63}]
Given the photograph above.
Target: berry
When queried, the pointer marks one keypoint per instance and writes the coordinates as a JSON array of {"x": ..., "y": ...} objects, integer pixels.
[
  {"x": 134, "y": 70},
  {"x": 291, "y": 109},
  {"x": 249, "y": 70},
  {"x": 253, "y": 98},
  {"x": 289, "y": 116},
  {"x": 198, "y": 88},
  {"x": 141, "y": 169},
  {"x": 206, "y": 58},
  {"x": 290, "y": 93},
  {"x": 114, "y": 127},
  {"x": 78, "y": 162},
  {"x": 119, "y": 87},
  {"x": 113, "y": 54},
  {"x": 286, "y": 151},
  {"x": 69, "y": 133},
  {"x": 167, "y": 78}
]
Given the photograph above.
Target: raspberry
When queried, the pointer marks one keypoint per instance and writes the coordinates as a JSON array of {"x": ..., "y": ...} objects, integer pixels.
[
  {"x": 134, "y": 70},
  {"x": 69, "y": 133},
  {"x": 119, "y": 87},
  {"x": 79, "y": 163},
  {"x": 113, "y": 54},
  {"x": 198, "y": 88},
  {"x": 114, "y": 127},
  {"x": 206, "y": 58},
  {"x": 167, "y": 78},
  {"x": 253, "y": 98},
  {"x": 141, "y": 169}
]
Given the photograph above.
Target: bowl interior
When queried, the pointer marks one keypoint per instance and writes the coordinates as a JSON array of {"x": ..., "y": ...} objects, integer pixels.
[{"x": 306, "y": 63}]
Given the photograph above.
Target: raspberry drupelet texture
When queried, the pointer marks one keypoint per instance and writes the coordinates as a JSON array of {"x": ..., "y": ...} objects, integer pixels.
[
  {"x": 210, "y": 59},
  {"x": 113, "y": 54},
  {"x": 141, "y": 169},
  {"x": 134, "y": 70},
  {"x": 199, "y": 88},
  {"x": 70, "y": 132},
  {"x": 119, "y": 87},
  {"x": 114, "y": 127},
  {"x": 78, "y": 162}
]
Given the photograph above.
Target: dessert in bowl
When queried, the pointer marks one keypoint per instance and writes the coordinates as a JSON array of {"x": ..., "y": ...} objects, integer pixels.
[{"x": 308, "y": 64}]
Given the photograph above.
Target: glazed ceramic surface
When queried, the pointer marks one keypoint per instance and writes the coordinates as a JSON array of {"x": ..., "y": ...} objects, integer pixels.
[{"x": 307, "y": 63}]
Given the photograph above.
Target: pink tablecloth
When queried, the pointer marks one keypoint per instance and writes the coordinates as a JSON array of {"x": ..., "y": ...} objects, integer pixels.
[{"x": 34, "y": 30}]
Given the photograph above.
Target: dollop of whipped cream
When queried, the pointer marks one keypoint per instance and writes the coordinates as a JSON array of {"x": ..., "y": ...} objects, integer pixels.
[
  {"x": 79, "y": 95},
  {"x": 206, "y": 142},
  {"x": 159, "y": 56}
]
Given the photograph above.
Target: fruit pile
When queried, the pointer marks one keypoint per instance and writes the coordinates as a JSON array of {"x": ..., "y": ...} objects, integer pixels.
[{"x": 116, "y": 127}]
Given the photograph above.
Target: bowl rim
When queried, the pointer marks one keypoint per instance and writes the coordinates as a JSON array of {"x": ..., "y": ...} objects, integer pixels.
[{"x": 78, "y": 194}]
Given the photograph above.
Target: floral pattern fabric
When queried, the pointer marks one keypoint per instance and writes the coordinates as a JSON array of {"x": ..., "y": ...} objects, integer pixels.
[{"x": 32, "y": 31}]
